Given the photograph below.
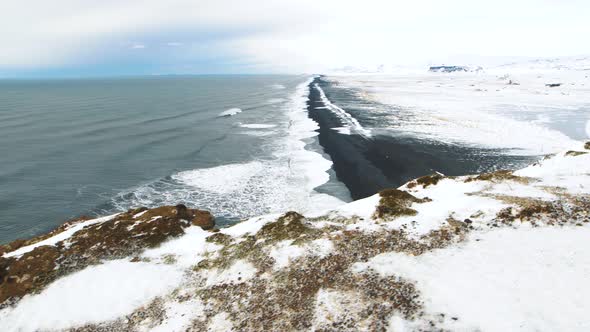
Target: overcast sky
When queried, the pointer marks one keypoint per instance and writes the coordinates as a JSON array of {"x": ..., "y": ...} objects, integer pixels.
[{"x": 117, "y": 37}]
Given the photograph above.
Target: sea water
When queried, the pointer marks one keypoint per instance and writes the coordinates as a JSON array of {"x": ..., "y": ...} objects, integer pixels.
[{"x": 238, "y": 146}]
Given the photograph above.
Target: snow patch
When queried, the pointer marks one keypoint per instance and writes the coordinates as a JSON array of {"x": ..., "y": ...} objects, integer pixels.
[
  {"x": 179, "y": 315},
  {"x": 240, "y": 271},
  {"x": 533, "y": 279},
  {"x": 483, "y": 109},
  {"x": 51, "y": 241},
  {"x": 187, "y": 249},
  {"x": 95, "y": 294},
  {"x": 562, "y": 170},
  {"x": 220, "y": 323},
  {"x": 139, "y": 214}
]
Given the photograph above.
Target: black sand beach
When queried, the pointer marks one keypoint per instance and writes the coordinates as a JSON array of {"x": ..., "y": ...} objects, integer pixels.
[{"x": 368, "y": 165}]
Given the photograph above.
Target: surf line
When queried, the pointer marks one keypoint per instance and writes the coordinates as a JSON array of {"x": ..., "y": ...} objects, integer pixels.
[{"x": 348, "y": 120}]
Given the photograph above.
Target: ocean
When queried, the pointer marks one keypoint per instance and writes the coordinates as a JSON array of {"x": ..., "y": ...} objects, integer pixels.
[{"x": 238, "y": 146}]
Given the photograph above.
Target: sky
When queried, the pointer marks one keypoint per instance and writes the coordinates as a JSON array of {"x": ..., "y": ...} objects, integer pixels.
[{"x": 129, "y": 37}]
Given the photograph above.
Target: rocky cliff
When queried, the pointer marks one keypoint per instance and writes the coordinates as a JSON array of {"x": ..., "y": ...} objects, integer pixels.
[{"x": 497, "y": 251}]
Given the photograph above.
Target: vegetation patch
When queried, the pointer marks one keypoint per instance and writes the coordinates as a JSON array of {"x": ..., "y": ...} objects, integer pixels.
[
  {"x": 426, "y": 180},
  {"x": 219, "y": 238},
  {"x": 497, "y": 176},
  {"x": 395, "y": 203},
  {"x": 287, "y": 299},
  {"x": 572, "y": 153},
  {"x": 290, "y": 226},
  {"x": 565, "y": 211}
]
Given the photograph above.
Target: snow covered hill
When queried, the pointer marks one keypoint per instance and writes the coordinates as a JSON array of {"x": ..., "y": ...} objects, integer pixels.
[{"x": 489, "y": 252}]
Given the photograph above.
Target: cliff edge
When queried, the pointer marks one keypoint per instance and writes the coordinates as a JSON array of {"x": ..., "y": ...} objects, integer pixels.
[{"x": 497, "y": 251}]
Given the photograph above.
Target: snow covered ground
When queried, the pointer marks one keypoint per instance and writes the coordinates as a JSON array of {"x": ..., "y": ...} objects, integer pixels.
[
  {"x": 508, "y": 106},
  {"x": 491, "y": 252}
]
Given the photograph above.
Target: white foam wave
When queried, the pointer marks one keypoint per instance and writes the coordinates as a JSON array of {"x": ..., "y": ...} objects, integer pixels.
[
  {"x": 277, "y": 86},
  {"x": 257, "y": 125},
  {"x": 223, "y": 179},
  {"x": 259, "y": 133},
  {"x": 230, "y": 112},
  {"x": 276, "y": 100},
  {"x": 284, "y": 181},
  {"x": 348, "y": 120},
  {"x": 342, "y": 130}
]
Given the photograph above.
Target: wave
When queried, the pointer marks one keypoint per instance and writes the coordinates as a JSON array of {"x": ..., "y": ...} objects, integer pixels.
[
  {"x": 277, "y": 86},
  {"x": 275, "y": 101},
  {"x": 342, "y": 130},
  {"x": 230, "y": 112},
  {"x": 257, "y": 125},
  {"x": 284, "y": 180},
  {"x": 354, "y": 127},
  {"x": 258, "y": 133}
]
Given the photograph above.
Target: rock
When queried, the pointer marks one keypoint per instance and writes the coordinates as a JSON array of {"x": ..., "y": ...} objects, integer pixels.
[
  {"x": 587, "y": 146},
  {"x": 454, "y": 222},
  {"x": 553, "y": 85},
  {"x": 203, "y": 219},
  {"x": 125, "y": 235},
  {"x": 183, "y": 212},
  {"x": 28, "y": 273}
]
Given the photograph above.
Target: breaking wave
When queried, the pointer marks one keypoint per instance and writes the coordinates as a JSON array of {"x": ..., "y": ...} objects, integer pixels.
[
  {"x": 230, "y": 112},
  {"x": 283, "y": 181}
]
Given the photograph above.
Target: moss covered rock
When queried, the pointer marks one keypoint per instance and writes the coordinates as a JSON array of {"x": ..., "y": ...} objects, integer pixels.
[
  {"x": 395, "y": 203},
  {"x": 125, "y": 235}
]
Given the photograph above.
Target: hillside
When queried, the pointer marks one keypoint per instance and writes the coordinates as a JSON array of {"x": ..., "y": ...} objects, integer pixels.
[{"x": 497, "y": 251}]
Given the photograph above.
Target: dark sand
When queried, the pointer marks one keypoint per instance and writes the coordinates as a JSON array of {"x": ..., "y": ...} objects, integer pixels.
[{"x": 368, "y": 165}]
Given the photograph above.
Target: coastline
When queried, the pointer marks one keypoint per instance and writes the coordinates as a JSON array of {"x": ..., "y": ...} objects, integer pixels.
[
  {"x": 408, "y": 258},
  {"x": 413, "y": 256},
  {"x": 367, "y": 164}
]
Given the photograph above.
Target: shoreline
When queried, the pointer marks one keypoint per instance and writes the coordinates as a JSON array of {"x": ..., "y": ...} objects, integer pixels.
[
  {"x": 170, "y": 267},
  {"x": 367, "y": 164}
]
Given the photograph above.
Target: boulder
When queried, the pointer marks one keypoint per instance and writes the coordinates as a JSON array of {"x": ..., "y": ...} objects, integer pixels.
[{"x": 203, "y": 219}]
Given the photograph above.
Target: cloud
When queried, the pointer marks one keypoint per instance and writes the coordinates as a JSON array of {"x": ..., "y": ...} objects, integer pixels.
[{"x": 283, "y": 36}]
